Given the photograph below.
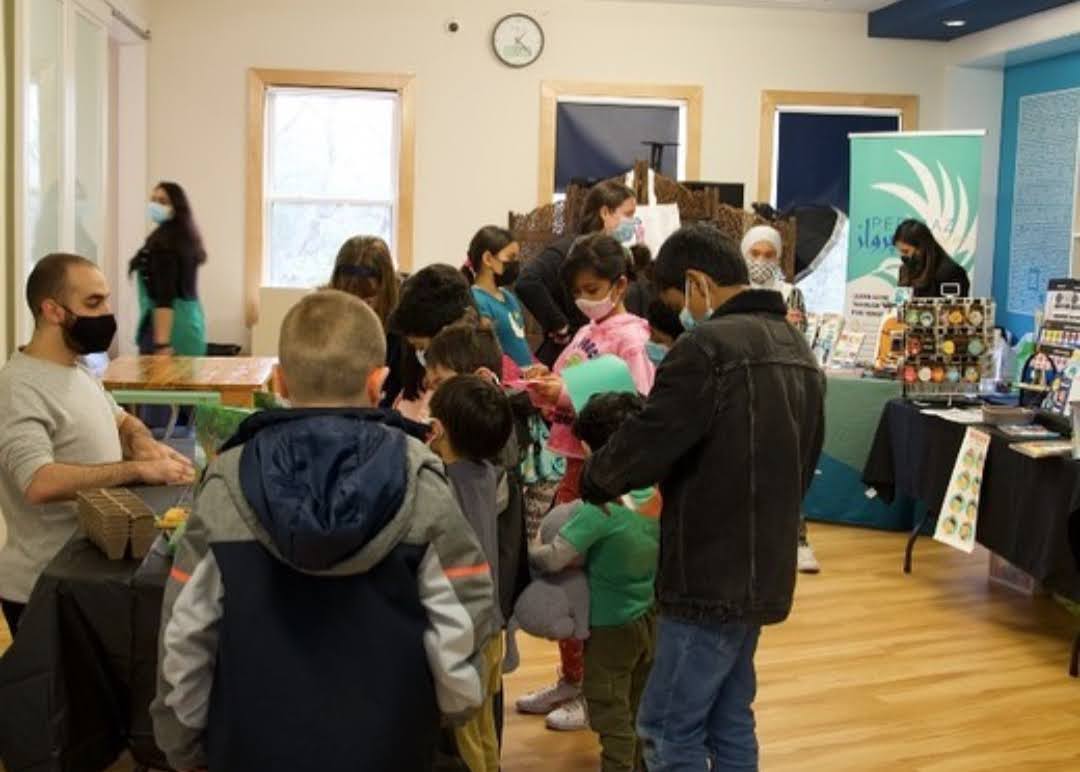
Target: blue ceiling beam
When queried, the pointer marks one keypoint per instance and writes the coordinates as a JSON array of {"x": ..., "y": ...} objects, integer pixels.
[{"x": 925, "y": 19}]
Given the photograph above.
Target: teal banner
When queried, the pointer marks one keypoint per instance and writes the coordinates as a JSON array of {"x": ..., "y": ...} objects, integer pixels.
[{"x": 933, "y": 177}]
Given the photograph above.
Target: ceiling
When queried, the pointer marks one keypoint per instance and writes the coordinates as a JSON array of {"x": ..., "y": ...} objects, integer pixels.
[
  {"x": 925, "y": 19},
  {"x": 910, "y": 19}
]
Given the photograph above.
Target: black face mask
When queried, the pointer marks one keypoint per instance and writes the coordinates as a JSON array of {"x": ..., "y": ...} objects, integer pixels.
[
  {"x": 911, "y": 260},
  {"x": 509, "y": 274},
  {"x": 89, "y": 334}
]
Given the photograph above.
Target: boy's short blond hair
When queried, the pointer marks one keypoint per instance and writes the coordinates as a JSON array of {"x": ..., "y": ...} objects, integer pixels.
[{"x": 330, "y": 342}]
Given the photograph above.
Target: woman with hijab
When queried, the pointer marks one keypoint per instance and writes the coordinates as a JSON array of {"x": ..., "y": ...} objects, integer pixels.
[{"x": 762, "y": 247}]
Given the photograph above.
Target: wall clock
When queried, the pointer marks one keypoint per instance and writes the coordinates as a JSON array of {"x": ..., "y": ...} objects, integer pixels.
[{"x": 518, "y": 40}]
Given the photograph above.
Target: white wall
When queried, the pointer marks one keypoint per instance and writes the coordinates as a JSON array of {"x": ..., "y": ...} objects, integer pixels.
[
  {"x": 477, "y": 121},
  {"x": 973, "y": 101}
]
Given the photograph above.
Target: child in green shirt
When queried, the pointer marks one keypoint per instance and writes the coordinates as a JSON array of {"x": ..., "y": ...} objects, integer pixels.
[{"x": 620, "y": 542}]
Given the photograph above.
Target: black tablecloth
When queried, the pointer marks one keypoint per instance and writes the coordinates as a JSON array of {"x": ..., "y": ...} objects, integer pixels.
[
  {"x": 1026, "y": 507},
  {"x": 76, "y": 685}
]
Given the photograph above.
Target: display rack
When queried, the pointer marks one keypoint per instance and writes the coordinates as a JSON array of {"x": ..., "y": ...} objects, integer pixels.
[{"x": 946, "y": 346}]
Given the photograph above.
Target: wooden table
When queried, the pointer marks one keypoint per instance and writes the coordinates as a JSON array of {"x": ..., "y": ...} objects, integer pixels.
[{"x": 236, "y": 379}]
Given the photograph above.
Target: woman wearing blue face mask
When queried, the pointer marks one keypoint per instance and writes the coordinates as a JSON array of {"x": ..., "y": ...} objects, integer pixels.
[
  {"x": 171, "y": 318},
  {"x": 609, "y": 209}
]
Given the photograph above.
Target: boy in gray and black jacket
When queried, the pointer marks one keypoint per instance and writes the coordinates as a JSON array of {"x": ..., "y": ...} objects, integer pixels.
[{"x": 328, "y": 600}]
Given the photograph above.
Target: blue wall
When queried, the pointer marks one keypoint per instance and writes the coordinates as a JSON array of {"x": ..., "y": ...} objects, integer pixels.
[{"x": 1038, "y": 77}]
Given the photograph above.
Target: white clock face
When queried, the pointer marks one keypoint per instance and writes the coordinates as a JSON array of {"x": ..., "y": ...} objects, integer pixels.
[{"x": 518, "y": 40}]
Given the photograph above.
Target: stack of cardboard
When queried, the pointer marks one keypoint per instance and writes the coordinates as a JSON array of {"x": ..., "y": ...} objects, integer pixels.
[{"x": 115, "y": 520}]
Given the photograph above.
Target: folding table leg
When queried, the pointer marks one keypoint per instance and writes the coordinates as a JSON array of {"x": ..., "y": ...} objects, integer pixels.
[{"x": 911, "y": 541}]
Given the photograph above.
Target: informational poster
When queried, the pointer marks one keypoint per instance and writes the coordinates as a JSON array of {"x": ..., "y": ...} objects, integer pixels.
[
  {"x": 959, "y": 516},
  {"x": 929, "y": 176},
  {"x": 1043, "y": 195}
]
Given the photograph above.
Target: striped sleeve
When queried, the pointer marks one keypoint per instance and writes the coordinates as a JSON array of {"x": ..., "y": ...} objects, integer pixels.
[
  {"x": 458, "y": 593},
  {"x": 187, "y": 649}
]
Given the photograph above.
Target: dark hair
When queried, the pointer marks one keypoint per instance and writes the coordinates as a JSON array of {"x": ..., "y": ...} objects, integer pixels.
[
  {"x": 476, "y": 416},
  {"x": 364, "y": 268},
  {"x": 431, "y": 299},
  {"x": 48, "y": 280},
  {"x": 610, "y": 195},
  {"x": 490, "y": 238},
  {"x": 665, "y": 320},
  {"x": 603, "y": 414},
  {"x": 598, "y": 253},
  {"x": 704, "y": 248},
  {"x": 465, "y": 348},
  {"x": 919, "y": 273},
  {"x": 641, "y": 259},
  {"x": 180, "y": 234}
]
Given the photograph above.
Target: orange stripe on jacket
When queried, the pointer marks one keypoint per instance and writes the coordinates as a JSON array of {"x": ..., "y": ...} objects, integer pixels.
[
  {"x": 461, "y": 572},
  {"x": 181, "y": 576}
]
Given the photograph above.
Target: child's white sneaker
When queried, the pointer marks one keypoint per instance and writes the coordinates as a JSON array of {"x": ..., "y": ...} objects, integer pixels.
[
  {"x": 571, "y": 717},
  {"x": 808, "y": 563},
  {"x": 543, "y": 701}
]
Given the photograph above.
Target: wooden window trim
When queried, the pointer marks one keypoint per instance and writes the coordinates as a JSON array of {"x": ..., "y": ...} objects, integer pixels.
[
  {"x": 771, "y": 101},
  {"x": 551, "y": 91},
  {"x": 259, "y": 81}
]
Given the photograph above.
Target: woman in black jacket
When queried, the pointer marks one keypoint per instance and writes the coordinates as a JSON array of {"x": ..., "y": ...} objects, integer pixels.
[
  {"x": 171, "y": 319},
  {"x": 610, "y": 208},
  {"x": 927, "y": 268}
]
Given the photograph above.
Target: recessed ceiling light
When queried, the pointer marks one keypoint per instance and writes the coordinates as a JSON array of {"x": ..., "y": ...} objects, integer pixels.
[{"x": 954, "y": 23}]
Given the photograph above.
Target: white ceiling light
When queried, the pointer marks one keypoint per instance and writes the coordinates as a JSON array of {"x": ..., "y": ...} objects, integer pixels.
[{"x": 954, "y": 23}]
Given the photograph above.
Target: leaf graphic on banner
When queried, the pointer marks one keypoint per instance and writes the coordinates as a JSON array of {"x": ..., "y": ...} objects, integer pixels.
[
  {"x": 888, "y": 270},
  {"x": 945, "y": 208}
]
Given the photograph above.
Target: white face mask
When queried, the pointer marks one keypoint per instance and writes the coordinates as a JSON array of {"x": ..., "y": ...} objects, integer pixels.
[{"x": 764, "y": 274}]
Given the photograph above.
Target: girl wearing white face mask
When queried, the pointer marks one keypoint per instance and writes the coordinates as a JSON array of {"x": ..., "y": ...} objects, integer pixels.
[
  {"x": 609, "y": 208},
  {"x": 761, "y": 248},
  {"x": 596, "y": 274}
]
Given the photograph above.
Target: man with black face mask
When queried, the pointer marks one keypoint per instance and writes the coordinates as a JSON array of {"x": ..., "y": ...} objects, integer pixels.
[{"x": 60, "y": 432}]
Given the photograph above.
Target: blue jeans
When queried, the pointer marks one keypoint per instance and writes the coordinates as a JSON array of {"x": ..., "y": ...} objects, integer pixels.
[{"x": 698, "y": 703}]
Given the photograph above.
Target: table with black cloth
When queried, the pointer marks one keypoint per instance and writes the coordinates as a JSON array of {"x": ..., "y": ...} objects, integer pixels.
[
  {"x": 76, "y": 684},
  {"x": 1027, "y": 509}
]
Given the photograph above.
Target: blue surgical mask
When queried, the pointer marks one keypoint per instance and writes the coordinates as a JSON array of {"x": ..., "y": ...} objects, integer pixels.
[
  {"x": 656, "y": 352},
  {"x": 625, "y": 231},
  {"x": 159, "y": 213},
  {"x": 685, "y": 317}
]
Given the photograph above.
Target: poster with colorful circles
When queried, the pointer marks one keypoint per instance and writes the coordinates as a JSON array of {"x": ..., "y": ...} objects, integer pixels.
[{"x": 957, "y": 522}]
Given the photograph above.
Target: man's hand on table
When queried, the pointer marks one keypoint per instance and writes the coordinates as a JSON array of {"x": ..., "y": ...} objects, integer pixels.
[
  {"x": 172, "y": 469},
  {"x": 146, "y": 448}
]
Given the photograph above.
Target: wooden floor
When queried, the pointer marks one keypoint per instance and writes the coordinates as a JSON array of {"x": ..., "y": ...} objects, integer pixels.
[{"x": 875, "y": 670}]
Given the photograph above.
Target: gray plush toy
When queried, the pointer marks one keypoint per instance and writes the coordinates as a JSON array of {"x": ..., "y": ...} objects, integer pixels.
[{"x": 553, "y": 606}]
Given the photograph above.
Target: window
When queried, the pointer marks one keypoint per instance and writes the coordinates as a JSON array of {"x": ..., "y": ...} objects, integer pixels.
[
  {"x": 333, "y": 160},
  {"x": 805, "y": 159},
  {"x": 331, "y": 173},
  {"x": 597, "y": 130}
]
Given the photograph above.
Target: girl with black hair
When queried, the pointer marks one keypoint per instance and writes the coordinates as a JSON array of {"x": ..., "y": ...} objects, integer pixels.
[
  {"x": 597, "y": 275},
  {"x": 927, "y": 268},
  {"x": 609, "y": 208},
  {"x": 171, "y": 318},
  {"x": 492, "y": 268}
]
